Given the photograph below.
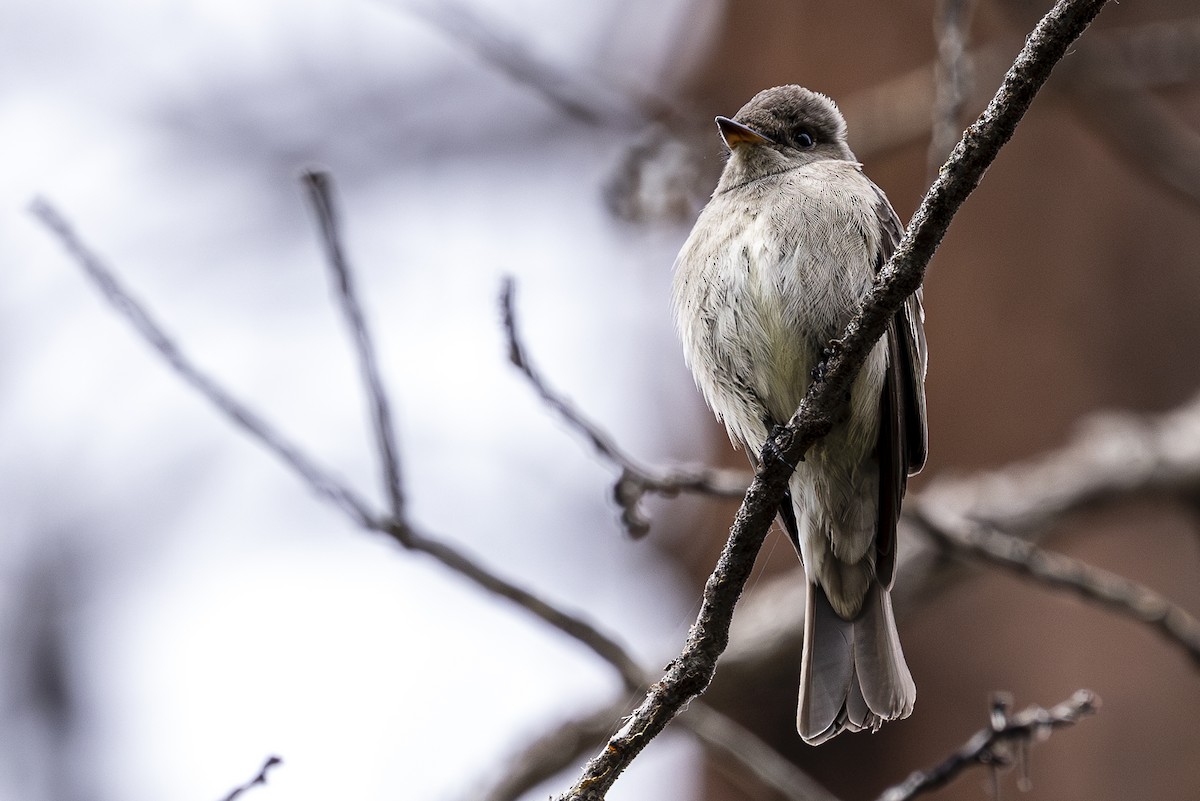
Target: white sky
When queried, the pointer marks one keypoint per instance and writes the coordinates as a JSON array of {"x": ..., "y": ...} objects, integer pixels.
[{"x": 219, "y": 612}]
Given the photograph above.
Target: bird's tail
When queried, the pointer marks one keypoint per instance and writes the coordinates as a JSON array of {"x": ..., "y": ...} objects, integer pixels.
[{"x": 852, "y": 674}]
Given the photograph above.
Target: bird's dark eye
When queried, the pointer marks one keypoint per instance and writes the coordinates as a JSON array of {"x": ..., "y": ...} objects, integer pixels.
[{"x": 804, "y": 140}]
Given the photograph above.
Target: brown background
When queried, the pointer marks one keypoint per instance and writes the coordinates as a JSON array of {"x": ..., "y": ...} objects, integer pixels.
[{"x": 1067, "y": 284}]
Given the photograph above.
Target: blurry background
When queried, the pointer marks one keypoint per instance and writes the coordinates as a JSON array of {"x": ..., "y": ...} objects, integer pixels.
[{"x": 175, "y": 606}]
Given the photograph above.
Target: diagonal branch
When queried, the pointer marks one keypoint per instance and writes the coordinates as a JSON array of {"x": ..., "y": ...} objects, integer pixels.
[
  {"x": 261, "y": 778},
  {"x": 1061, "y": 572},
  {"x": 691, "y": 672},
  {"x": 569, "y": 623},
  {"x": 320, "y": 195},
  {"x": 993, "y": 745},
  {"x": 319, "y": 480}
]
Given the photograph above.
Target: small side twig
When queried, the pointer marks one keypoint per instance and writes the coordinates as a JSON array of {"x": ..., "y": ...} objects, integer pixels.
[
  {"x": 993, "y": 745},
  {"x": 320, "y": 195},
  {"x": 636, "y": 480},
  {"x": 261, "y": 778}
]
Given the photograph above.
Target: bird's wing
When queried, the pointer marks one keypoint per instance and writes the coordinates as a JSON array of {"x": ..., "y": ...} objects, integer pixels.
[
  {"x": 903, "y": 435},
  {"x": 913, "y": 357}
]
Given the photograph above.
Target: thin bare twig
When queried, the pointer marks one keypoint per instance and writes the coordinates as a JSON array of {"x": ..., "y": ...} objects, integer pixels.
[
  {"x": 993, "y": 745},
  {"x": 261, "y": 778},
  {"x": 573, "y": 625},
  {"x": 636, "y": 480},
  {"x": 691, "y": 672},
  {"x": 320, "y": 195},
  {"x": 321, "y": 481},
  {"x": 1062, "y": 572}
]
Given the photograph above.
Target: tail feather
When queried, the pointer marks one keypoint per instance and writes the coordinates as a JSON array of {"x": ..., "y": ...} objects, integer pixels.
[
  {"x": 852, "y": 673},
  {"x": 879, "y": 662}
]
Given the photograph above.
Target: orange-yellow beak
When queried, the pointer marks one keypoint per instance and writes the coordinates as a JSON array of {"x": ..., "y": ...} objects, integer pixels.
[{"x": 734, "y": 134}]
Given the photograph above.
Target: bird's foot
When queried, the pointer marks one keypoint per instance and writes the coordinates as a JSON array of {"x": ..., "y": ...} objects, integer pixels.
[
  {"x": 771, "y": 448},
  {"x": 827, "y": 353}
]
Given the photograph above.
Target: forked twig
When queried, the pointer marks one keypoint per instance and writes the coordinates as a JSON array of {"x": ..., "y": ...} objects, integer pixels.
[
  {"x": 320, "y": 195},
  {"x": 992, "y": 746}
]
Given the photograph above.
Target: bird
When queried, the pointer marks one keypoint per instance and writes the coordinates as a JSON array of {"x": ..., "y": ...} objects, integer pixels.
[{"x": 778, "y": 262}]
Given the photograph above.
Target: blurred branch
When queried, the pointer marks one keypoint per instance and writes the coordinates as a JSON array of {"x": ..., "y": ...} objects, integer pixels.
[
  {"x": 994, "y": 745},
  {"x": 320, "y": 194},
  {"x": 319, "y": 480},
  {"x": 952, "y": 78},
  {"x": 1142, "y": 128},
  {"x": 1057, "y": 571},
  {"x": 261, "y": 778},
  {"x": 591, "y": 100},
  {"x": 899, "y": 111},
  {"x": 690, "y": 673},
  {"x": 1111, "y": 457}
]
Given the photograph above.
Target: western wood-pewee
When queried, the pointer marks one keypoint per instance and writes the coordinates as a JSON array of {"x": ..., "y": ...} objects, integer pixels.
[{"x": 776, "y": 265}]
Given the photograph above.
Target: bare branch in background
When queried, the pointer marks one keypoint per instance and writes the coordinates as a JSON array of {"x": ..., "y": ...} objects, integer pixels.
[
  {"x": 320, "y": 193},
  {"x": 1112, "y": 457},
  {"x": 1142, "y": 128},
  {"x": 691, "y": 672},
  {"x": 261, "y": 778},
  {"x": 319, "y": 480},
  {"x": 1119, "y": 594},
  {"x": 952, "y": 77},
  {"x": 994, "y": 746},
  {"x": 594, "y": 100}
]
